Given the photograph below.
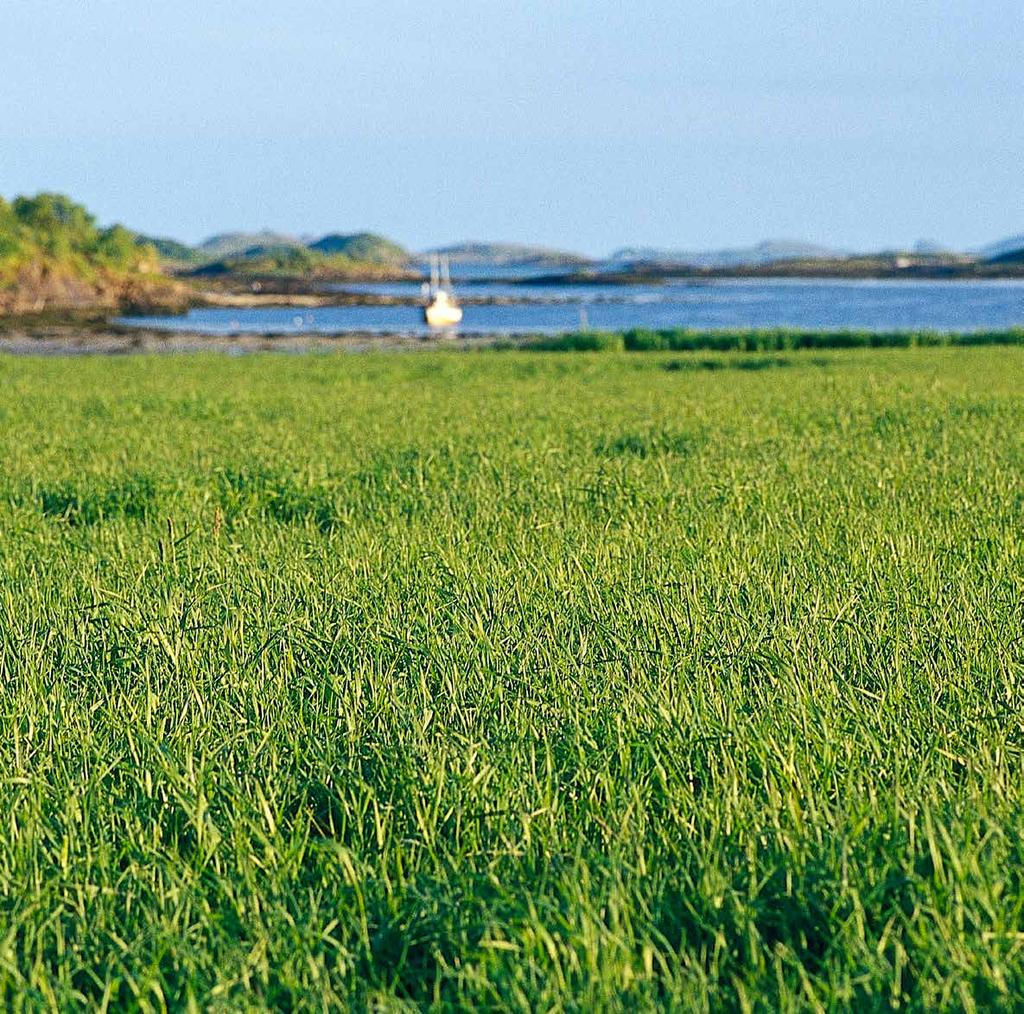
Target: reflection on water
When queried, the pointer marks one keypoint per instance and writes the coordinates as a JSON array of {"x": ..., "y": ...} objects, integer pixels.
[{"x": 872, "y": 305}]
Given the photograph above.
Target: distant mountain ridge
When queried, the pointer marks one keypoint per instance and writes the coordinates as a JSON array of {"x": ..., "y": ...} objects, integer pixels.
[
  {"x": 250, "y": 252},
  {"x": 930, "y": 248},
  {"x": 1012, "y": 247},
  {"x": 234, "y": 244},
  {"x": 508, "y": 255},
  {"x": 233, "y": 249},
  {"x": 766, "y": 252},
  {"x": 361, "y": 246},
  {"x": 169, "y": 249}
]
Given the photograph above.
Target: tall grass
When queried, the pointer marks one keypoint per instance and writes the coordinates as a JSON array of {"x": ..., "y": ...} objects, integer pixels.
[
  {"x": 765, "y": 340},
  {"x": 512, "y": 681}
]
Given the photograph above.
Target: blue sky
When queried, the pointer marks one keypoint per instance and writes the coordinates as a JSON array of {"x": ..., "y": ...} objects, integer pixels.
[{"x": 587, "y": 124}]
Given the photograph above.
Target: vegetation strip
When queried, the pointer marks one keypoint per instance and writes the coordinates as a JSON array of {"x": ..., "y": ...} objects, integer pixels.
[{"x": 762, "y": 340}]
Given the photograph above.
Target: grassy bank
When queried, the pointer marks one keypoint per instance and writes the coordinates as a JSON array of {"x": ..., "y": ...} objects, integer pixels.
[
  {"x": 512, "y": 681},
  {"x": 766, "y": 340}
]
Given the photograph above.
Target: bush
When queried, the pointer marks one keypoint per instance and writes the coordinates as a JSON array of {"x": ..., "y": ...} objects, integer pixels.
[
  {"x": 53, "y": 227},
  {"x": 1015, "y": 336},
  {"x": 644, "y": 340},
  {"x": 581, "y": 341}
]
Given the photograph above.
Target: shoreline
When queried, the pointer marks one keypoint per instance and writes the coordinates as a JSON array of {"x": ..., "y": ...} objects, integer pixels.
[
  {"x": 115, "y": 341},
  {"x": 69, "y": 339},
  {"x": 312, "y": 299},
  {"x": 96, "y": 317}
]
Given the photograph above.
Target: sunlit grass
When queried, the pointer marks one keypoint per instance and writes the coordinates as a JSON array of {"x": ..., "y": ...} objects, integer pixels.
[{"x": 513, "y": 680}]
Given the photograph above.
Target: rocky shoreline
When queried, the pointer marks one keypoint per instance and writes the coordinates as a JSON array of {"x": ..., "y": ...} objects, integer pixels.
[{"x": 60, "y": 340}]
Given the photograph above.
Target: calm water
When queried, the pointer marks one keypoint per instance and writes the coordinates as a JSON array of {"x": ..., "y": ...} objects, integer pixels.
[{"x": 873, "y": 305}]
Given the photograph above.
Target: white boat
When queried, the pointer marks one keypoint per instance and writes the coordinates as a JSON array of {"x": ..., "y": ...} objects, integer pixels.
[{"x": 442, "y": 309}]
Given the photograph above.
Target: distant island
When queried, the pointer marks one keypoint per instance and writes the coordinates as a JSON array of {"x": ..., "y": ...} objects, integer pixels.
[
  {"x": 248, "y": 256},
  {"x": 768, "y": 252},
  {"x": 54, "y": 257},
  {"x": 795, "y": 259}
]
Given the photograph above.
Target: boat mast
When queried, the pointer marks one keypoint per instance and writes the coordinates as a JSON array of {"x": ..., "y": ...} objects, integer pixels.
[
  {"x": 435, "y": 274},
  {"x": 446, "y": 274}
]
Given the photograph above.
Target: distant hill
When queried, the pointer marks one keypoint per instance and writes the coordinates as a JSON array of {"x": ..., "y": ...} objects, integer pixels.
[
  {"x": 1010, "y": 257},
  {"x": 1004, "y": 250},
  {"x": 362, "y": 246},
  {"x": 767, "y": 252},
  {"x": 334, "y": 257},
  {"x": 234, "y": 244},
  {"x": 170, "y": 249},
  {"x": 263, "y": 250},
  {"x": 251, "y": 254},
  {"x": 930, "y": 248},
  {"x": 365, "y": 247},
  {"x": 270, "y": 258},
  {"x": 509, "y": 255}
]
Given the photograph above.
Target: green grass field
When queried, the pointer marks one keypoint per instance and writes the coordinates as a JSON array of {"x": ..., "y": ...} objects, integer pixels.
[{"x": 514, "y": 681}]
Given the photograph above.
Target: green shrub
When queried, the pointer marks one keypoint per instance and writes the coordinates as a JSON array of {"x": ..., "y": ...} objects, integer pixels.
[
  {"x": 581, "y": 341},
  {"x": 640, "y": 339},
  {"x": 1014, "y": 336},
  {"x": 54, "y": 228}
]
